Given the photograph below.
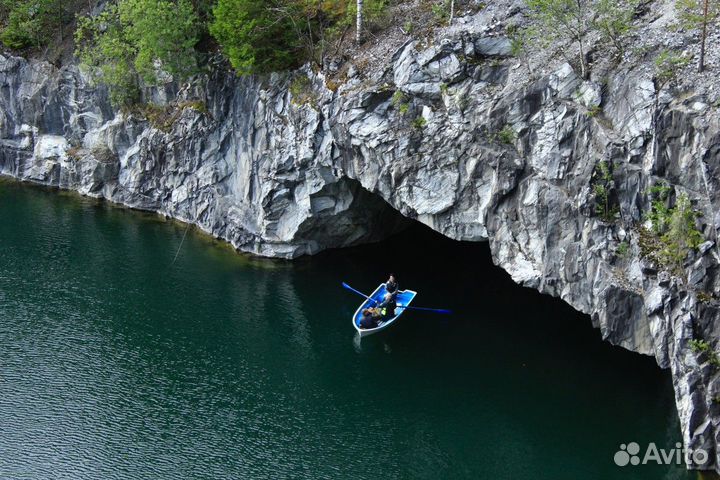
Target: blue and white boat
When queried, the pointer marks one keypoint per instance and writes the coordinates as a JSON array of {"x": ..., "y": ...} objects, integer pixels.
[{"x": 403, "y": 299}]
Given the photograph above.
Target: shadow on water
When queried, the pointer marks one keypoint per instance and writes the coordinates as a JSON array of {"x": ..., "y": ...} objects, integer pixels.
[{"x": 118, "y": 363}]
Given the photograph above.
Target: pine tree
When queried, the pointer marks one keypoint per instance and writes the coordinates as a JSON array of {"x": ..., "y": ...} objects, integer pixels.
[{"x": 698, "y": 14}]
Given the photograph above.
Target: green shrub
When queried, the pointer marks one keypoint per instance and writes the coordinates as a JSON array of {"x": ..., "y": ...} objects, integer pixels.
[
  {"x": 702, "y": 346},
  {"x": 400, "y": 101},
  {"x": 419, "y": 123},
  {"x": 374, "y": 12},
  {"x": 566, "y": 20},
  {"x": 659, "y": 215},
  {"x": 163, "y": 117},
  {"x": 594, "y": 111},
  {"x": 506, "y": 135},
  {"x": 197, "y": 105},
  {"x": 698, "y": 15},
  {"x": 641, "y": 50},
  {"x": 704, "y": 297},
  {"x": 462, "y": 100},
  {"x": 441, "y": 11},
  {"x": 682, "y": 234},
  {"x": 675, "y": 227},
  {"x": 520, "y": 39},
  {"x": 258, "y": 36},
  {"x": 623, "y": 249},
  {"x": 667, "y": 67},
  {"x": 301, "y": 89},
  {"x": 300, "y": 85},
  {"x": 102, "y": 47},
  {"x": 603, "y": 185},
  {"x": 699, "y": 346}
]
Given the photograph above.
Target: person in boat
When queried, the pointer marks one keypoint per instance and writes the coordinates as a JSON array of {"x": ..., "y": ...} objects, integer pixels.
[
  {"x": 391, "y": 286},
  {"x": 388, "y": 305},
  {"x": 370, "y": 318}
]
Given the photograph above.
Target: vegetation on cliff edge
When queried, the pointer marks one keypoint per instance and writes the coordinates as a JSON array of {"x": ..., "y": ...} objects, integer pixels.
[{"x": 138, "y": 39}]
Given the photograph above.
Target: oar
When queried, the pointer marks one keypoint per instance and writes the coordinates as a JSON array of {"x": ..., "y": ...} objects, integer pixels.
[
  {"x": 358, "y": 292},
  {"x": 436, "y": 310}
]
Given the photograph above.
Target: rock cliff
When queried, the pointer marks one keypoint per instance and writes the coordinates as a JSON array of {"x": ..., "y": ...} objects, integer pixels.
[{"x": 453, "y": 132}]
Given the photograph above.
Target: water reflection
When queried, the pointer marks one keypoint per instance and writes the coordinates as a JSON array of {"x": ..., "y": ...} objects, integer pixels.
[{"x": 357, "y": 342}]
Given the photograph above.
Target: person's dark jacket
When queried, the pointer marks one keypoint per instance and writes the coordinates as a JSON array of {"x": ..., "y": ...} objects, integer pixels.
[
  {"x": 367, "y": 322},
  {"x": 389, "y": 307},
  {"x": 371, "y": 320}
]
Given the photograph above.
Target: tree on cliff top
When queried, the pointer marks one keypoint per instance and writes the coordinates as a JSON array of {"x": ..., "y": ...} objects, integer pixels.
[
  {"x": 613, "y": 19},
  {"x": 138, "y": 39},
  {"x": 256, "y": 35},
  {"x": 564, "y": 19},
  {"x": 30, "y": 23},
  {"x": 572, "y": 20},
  {"x": 698, "y": 14},
  {"x": 260, "y": 36}
]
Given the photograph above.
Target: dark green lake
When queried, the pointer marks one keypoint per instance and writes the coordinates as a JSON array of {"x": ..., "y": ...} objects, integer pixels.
[{"x": 117, "y": 363}]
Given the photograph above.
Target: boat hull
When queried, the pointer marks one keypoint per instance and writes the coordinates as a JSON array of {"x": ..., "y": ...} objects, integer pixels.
[{"x": 403, "y": 299}]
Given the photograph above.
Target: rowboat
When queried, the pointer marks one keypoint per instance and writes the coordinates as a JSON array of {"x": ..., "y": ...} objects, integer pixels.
[{"x": 403, "y": 299}]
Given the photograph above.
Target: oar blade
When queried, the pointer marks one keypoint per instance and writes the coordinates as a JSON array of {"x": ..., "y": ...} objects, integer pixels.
[{"x": 435, "y": 310}]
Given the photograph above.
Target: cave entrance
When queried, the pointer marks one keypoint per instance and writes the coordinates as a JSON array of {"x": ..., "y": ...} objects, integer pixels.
[{"x": 345, "y": 214}]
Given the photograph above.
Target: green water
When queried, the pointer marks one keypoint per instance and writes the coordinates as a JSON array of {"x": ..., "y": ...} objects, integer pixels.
[{"x": 117, "y": 363}]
